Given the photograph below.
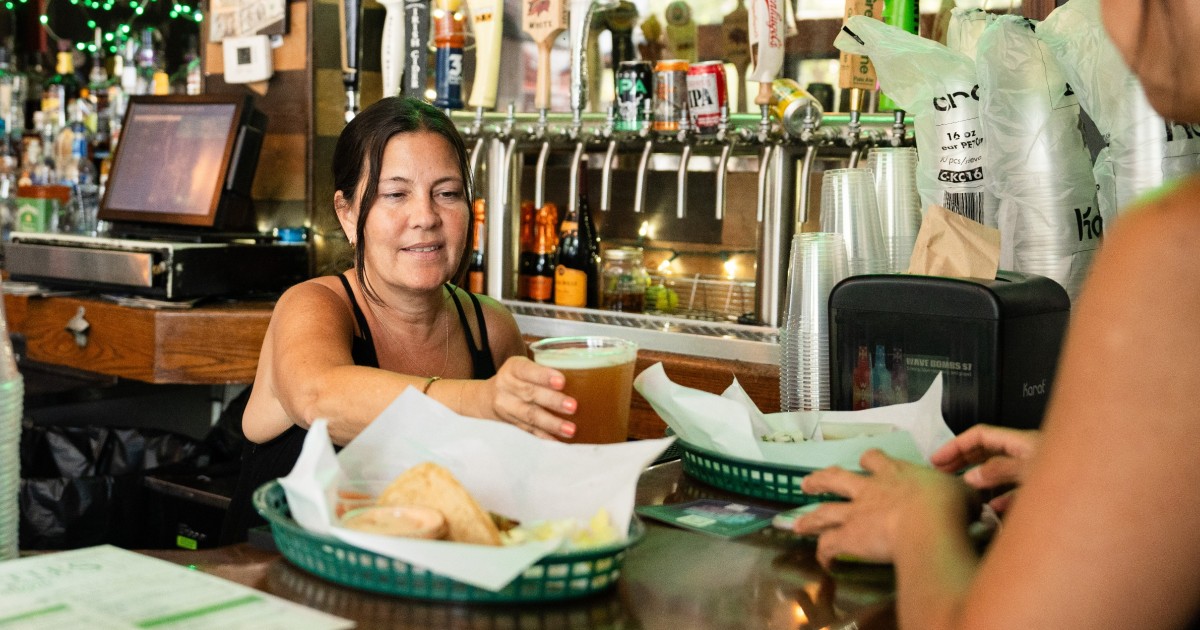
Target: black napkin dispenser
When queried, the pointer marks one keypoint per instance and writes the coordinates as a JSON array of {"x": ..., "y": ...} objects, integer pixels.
[{"x": 995, "y": 342}]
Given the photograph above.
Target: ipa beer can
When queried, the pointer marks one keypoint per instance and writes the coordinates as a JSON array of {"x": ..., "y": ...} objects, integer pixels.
[
  {"x": 670, "y": 94},
  {"x": 635, "y": 89},
  {"x": 706, "y": 95}
]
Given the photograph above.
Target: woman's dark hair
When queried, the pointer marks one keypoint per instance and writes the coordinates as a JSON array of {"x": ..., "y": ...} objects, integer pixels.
[{"x": 362, "y": 143}]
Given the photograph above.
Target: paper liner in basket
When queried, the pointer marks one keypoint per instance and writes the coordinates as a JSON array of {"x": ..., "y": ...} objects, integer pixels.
[
  {"x": 730, "y": 424},
  {"x": 508, "y": 471}
]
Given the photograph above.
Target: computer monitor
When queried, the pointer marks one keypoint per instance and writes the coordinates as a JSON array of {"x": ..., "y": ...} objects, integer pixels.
[{"x": 185, "y": 163}]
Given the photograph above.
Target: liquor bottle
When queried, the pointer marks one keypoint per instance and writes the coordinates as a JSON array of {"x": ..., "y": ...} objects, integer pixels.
[
  {"x": 541, "y": 278},
  {"x": 861, "y": 394},
  {"x": 881, "y": 380},
  {"x": 146, "y": 60},
  {"x": 899, "y": 376},
  {"x": 64, "y": 143},
  {"x": 11, "y": 105},
  {"x": 35, "y": 77},
  {"x": 194, "y": 72},
  {"x": 577, "y": 275},
  {"x": 61, "y": 89},
  {"x": 525, "y": 253},
  {"x": 449, "y": 38},
  {"x": 82, "y": 209},
  {"x": 8, "y": 185},
  {"x": 477, "y": 269}
]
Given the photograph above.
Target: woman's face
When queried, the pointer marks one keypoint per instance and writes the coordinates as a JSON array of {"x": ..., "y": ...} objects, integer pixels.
[
  {"x": 417, "y": 228},
  {"x": 1158, "y": 40}
]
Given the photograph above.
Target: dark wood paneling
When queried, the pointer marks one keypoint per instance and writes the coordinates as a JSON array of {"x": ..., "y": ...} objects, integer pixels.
[{"x": 760, "y": 381}]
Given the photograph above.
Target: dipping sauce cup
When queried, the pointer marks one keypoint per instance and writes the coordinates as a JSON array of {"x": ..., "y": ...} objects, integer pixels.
[{"x": 599, "y": 372}]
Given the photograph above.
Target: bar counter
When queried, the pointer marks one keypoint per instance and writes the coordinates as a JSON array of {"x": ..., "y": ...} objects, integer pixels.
[{"x": 672, "y": 579}]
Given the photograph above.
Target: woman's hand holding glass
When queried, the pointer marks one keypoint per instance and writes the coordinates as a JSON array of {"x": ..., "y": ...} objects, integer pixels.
[{"x": 529, "y": 396}]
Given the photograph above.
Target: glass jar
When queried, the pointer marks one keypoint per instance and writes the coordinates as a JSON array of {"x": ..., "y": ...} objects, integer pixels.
[{"x": 624, "y": 280}]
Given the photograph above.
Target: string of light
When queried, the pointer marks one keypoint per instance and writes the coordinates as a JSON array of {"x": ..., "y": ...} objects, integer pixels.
[{"x": 115, "y": 37}]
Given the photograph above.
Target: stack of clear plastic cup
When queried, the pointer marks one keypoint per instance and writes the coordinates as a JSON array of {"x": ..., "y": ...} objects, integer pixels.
[
  {"x": 848, "y": 207},
  {"x": 11, "y": 404},
  {"x": 895, "y": 171},
  {"x": 818, "y": 262}
]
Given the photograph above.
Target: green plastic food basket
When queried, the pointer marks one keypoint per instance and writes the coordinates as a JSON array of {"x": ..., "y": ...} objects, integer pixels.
[
  {"x": 742, "y": 476},
  {"x": 556, "y": 577}
]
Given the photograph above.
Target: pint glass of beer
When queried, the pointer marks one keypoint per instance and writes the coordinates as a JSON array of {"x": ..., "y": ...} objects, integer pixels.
[{"x": 599, "y": 373}]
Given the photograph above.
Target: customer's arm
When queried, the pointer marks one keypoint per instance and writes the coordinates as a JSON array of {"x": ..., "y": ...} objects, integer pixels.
[{"x": 1104, "y": 532}]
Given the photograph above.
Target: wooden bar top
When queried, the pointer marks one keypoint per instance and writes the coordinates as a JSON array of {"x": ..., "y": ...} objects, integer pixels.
[{"x": 672, "y": 579}]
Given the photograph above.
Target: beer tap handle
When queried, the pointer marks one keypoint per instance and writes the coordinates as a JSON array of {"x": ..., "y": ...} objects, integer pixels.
[
  {"x": 685, "y": 156},
  {"x": 543, "y": 21},
  {"x": 620, "y": 21},
  {"x": 510, "y": 158},
  {"x": 810, "y": 157},
  {"x": 487, "y": 21},
  {"x": 639, "y": 193},
  {"x": 606, "y": 176},
  {"x": 416, "y": 16},
  {"x": 854, "y": 127},
  {"x": 764, "y": 163},
  {"x": 582, "y": 14},
  {"x": 449, "y": 39},
  {"x": 722, "y": 175},
  {"x": 767, "y": 34},
  {"x": 350, "y": 12},
  {"x": 391, "y": 49},
  {"x": 898, "y": 128},
  {"x": 736, "y": 38},
  {"x": 476, "y": 154},
  {"x": 595, "y": 65},
  {"x": 539, "y": 176},
  {"x": 681, "y": 32},
  {"x": 573, "y": 186}
]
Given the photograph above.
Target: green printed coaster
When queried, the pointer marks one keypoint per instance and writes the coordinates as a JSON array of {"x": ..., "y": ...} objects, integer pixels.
[{"x": 726, "y": 519}]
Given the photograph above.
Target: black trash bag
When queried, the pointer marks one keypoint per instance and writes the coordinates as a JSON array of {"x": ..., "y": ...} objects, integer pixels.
[{"x": 82, "y": 486}]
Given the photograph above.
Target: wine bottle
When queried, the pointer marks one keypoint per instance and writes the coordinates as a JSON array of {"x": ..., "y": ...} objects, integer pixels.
[
  {"x": 525, "y": 254},
  {"x": 541, "y": 279},
  {"x": 477, "y": 268},
  {"x": 577, "y": 276}
]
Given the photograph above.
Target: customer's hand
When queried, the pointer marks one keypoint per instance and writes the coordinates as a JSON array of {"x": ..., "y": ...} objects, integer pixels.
[
  {"x": 894, "y": 500},
  {"x": 529, "y": 396},
  {"x": 994, "y": 456}
]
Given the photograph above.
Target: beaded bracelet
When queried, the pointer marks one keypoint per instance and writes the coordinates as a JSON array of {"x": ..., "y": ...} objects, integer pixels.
[{"x": 428, "y": 383}]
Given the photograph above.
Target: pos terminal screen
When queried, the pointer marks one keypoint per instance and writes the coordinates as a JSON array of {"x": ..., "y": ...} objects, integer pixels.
[{"x": 172, "y": 162}]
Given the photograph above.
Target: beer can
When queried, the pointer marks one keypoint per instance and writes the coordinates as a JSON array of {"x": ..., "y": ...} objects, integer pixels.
[
  {"x": 706, "y": 95},
  {"x": 635, "y": 85},
  {"x": 670, "y": 94},
  {"x": 791, "y": 104}
]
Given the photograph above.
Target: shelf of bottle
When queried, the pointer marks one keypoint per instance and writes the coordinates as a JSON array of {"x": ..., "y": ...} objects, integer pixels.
[{"x": 664, "y": 333}]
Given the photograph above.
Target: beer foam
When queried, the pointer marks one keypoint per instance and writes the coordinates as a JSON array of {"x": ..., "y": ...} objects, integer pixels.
[{"x": 581, "y": 358}]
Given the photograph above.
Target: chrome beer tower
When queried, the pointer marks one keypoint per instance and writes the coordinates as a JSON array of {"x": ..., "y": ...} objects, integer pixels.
[{"x": 500, "y": 142}]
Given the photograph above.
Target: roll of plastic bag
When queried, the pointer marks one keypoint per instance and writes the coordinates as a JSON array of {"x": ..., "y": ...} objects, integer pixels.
[
  {"x": 937, "y": 86},
  {"x": 1041, "y": 169},
  {"x": 1144, "y": 149}
]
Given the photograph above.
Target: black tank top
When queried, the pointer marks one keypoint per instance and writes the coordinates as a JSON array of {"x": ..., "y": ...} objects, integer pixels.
[{"x": 273, "y": 459}]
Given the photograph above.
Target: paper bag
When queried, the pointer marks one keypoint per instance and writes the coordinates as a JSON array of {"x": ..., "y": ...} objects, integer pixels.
[{"x": 952, "y": 245}]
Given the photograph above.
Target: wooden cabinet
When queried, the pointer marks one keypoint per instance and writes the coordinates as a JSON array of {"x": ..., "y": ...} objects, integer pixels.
[{"x": 204, "y": 345}]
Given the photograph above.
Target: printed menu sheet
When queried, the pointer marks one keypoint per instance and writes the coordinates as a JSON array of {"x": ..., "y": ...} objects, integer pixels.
[{"x": 108, "y": 588}]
